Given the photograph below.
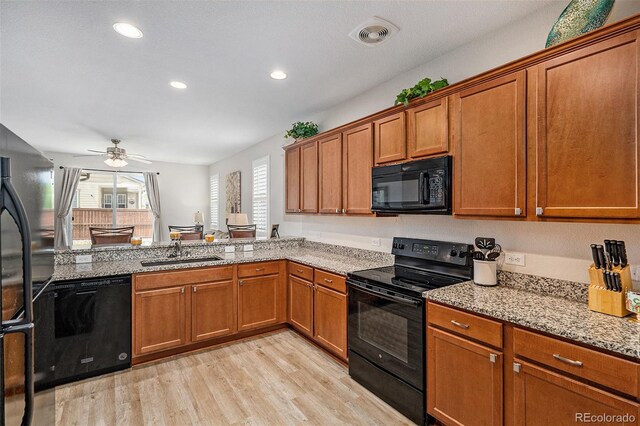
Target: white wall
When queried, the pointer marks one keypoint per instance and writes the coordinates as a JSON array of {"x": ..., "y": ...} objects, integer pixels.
[
  {"x": 559, "y": 250},
  {"x": 183, "y": 188}
]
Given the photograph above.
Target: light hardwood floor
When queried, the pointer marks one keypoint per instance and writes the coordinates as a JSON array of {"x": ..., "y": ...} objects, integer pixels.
[{"x": 276, "y": 379}]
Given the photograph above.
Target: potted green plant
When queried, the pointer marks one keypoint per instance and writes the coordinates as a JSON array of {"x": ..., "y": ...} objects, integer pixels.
[
  {"x": 420, "y": 90},
  {"x": 302, "y": 130}
]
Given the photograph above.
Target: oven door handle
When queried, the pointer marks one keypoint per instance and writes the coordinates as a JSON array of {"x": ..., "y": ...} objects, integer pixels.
[{"x": 404, "y": 301}]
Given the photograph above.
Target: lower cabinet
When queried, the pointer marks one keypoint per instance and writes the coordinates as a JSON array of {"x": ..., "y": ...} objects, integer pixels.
[
  {"x": 330, "y": 320},
  {"x": 257, "y": 302},
  {"x": 301, "y": 305},
  {"x": 159, "y": 320},
  {"x": 464, "y": 380},
  {"x": 213, "y": 312},
  {"x": 543, "y": 397}
]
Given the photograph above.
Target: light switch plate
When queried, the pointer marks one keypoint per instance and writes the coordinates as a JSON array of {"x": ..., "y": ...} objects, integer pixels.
[
  {"x": 84, "y": 258},
  {"x": 247, "y": 247},
  {"x": 229, "y": 249}
]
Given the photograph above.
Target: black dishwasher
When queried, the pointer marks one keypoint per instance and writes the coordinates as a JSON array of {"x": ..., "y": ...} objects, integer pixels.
[{"x": 84, "y": 329}]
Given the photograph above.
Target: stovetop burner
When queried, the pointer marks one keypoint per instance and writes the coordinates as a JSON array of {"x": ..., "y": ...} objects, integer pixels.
[{"x": 409, "y": 279}]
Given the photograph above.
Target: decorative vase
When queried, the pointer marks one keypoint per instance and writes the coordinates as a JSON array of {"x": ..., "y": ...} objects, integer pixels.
[{"x": 579, "y": 17}]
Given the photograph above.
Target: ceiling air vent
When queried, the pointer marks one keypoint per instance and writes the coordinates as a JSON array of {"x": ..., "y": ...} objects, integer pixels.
[{"x": 373, "y": 32}]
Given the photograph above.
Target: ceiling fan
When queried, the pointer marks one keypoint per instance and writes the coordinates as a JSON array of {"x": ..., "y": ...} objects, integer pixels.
[{"x": 116, "y": 156}]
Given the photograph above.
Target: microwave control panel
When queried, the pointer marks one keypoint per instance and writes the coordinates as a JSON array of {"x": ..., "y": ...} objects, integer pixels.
[{"x": 436, "y": 187}]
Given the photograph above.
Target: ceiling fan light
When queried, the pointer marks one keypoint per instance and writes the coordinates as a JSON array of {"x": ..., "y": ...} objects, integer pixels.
[{"x": 115, "y": 162}]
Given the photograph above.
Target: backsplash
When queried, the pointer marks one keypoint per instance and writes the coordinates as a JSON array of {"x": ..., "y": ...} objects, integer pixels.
[{"x": 548, "y": 286}]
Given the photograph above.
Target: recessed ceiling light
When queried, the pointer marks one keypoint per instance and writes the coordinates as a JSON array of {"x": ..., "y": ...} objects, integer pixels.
[
  {"x": 178, "y": 85},
  {"x": 278, "y": 75},
  {"x": 127, "y": 30}
]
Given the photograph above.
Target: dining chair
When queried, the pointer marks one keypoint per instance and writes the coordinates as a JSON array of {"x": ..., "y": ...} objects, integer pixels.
[
  {"x": 120, "y": 235},
  {"x": 242, "y": 231},
  {"x": 193, "y": 232}
]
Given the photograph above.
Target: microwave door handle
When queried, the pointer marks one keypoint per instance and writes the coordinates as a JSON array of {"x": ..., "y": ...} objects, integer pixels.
[{"x": 423, "y": 188}]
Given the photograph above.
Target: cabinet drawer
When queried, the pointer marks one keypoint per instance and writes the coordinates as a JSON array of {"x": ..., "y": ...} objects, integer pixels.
[
  {"x": 301, "y": 271},
  {"x": 332, "y": 281},
  {"x": 176, "y": 278},
  {"x": 606, "y": 370},
  {"x": 472, "y": 326},
  {"x": 257, "y": 269}
]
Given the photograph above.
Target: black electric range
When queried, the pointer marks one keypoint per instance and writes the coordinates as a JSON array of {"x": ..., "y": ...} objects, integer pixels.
[{"x": 386, "y": 324}]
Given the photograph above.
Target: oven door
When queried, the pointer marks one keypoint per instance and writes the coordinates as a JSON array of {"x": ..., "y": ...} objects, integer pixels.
[{"x": 388, "y": 331}]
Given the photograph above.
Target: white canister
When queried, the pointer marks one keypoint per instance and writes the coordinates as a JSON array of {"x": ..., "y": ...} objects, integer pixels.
[{"x": 484, "y": 272}]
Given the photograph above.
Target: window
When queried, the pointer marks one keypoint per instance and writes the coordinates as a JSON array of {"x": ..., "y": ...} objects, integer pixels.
[
  {"x": 110, "y": 199},
  {"x": 214, "y": 200},
  {"x": 260, "y": 196}
]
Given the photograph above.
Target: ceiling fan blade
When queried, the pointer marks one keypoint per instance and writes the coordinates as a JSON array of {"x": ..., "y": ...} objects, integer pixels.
[
  {"x": 95, "y": 150},
  {"x": 88, "y": 155},
  {"x": 139, "y": 160},
  {"x": 136, "y": 156}
]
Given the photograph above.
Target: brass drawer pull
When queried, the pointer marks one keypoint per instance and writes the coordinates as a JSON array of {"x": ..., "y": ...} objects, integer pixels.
[
  {"x": 241, "y": 283},
  {"x": 459, "y": 324},
  {"x": 259, "y": 269},
  {"x": 194, "y": 289},
  {"x": 299, "y": 271},
  {"x": 567, "y": 360},
  {"x": 182, "y": 290},
  {"x": 327, "y": 280}
]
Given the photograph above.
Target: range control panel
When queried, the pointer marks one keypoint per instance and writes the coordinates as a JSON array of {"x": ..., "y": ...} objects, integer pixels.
[{"x": 438, "y": 251}]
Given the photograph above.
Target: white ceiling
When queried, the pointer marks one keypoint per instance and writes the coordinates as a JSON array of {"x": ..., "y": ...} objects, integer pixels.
[{"x": 69, "y": 82}]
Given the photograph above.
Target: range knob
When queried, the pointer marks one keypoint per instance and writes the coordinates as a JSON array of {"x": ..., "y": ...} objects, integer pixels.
[
  {"x": 463, "y": 254},
  {"x": 453, "y": 253}
]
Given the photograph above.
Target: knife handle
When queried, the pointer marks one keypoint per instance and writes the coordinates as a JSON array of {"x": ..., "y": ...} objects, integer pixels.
[
  {"x": 594, "y": 255},
  {"x": 622, "y": 253},
  {"x": 618, "y": 280},
  {"x": 601, "y": 259},
  {"x": 615, "y": 259},
  {"x": 607, "y": 246},
  {"x": 607, "y": 281}
]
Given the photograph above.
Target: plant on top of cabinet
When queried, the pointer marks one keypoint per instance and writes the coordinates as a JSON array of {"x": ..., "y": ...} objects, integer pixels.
[
  {"x": 302, "y": 130},
  {"x": 420, "y": 90}
]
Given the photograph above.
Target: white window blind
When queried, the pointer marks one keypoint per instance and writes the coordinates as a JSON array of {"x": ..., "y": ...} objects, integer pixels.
[
  {"x": 260, "y": 197},
  {"x": 214, "y": 190}
]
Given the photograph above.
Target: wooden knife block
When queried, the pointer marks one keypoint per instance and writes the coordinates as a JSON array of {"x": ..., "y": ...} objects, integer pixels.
[{"x": 607, "y": 301}]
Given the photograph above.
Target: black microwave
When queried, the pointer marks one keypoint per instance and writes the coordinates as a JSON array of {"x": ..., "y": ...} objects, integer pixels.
[{"x": 422, "y": 186}]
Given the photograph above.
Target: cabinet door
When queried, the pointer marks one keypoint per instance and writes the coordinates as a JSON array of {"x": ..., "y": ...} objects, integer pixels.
[
  {"x": 428, "y": 129},
  {"x": 390, "y": 139},
  {"x": 309, "y": 178},
  {"x": 542, "y": 397},
  {"x": 357, "y": 160},
  {"x": 212, "y": 310},
  {"x": 464, "y": 380},
  {"x": 159, "y": 320},
  {"x": 330, "y": 320},
  {"x": 257, "y": 302},
  {"x": 587, "y": 132},
  {"x": 292, "y": 180},
  {"x": 301, "y": 304},
  {"x": 330, "y": 174},
  {"x": 490, "y": 152}
]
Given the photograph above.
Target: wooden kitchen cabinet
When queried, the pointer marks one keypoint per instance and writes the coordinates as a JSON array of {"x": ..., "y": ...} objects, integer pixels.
[
  {"x": 330, "y": 174},
  {"x": 543, "y": 397},
  {"x": 292, "y": 180},
  {"x": 357, "y": 161},
  {"x": 428, "y": 129},
  {"x": 586, "y": 131},
  {"x": 301, "y": 305},
  {"x": 309, "y": 178},
  {"x": 213, "y": 312},
  {"x": 330, "y": 320},
  {"x": 488, "y": 124},
  {"x": 257, "y": 302},
  {"x": 160, "y": 319},
  {"x": 464, "y": 380},
  {"x": 390, "y": 142}
]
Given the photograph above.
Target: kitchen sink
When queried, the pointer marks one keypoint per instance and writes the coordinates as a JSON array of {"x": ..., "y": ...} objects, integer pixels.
[{"x": 179, "y": 261}]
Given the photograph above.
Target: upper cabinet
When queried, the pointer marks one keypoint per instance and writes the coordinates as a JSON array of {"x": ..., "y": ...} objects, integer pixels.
[
  {"x": 292, "y": 180},
  {"x": 488, "y": 124},
  {"x": 357, "y": 161},
  {"x": 330, "y": 174},
  {"x": 428, "y": 129},
  {"x": 309, "y": 178},
  {"x": 390, "y": 139},
  {"x": 586, "y": 131}
]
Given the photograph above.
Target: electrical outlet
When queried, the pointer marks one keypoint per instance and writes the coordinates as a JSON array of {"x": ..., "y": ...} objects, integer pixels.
[
  {"x": 229, "y": 249},
  {"x": 247, "y": 247},
  {"x": 635, "y": 272},
  {"x": 84, "y": 258},
  {"x": 375, "y": 242},
  {"x": 517, "y": 259}
]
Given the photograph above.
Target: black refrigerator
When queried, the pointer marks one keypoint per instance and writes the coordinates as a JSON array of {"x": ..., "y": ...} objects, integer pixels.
[{"x": 26, "y": 263}]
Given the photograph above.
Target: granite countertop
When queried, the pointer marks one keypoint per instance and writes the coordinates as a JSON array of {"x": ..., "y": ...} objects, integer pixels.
[
  {"x": 558, "y": 316},
  {"x": 339, "y": 263}
]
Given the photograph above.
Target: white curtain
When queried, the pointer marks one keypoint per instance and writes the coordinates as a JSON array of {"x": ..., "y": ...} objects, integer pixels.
[
  {"x": 153, "y": 192},
  {"x": 70, "y": 179}
]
